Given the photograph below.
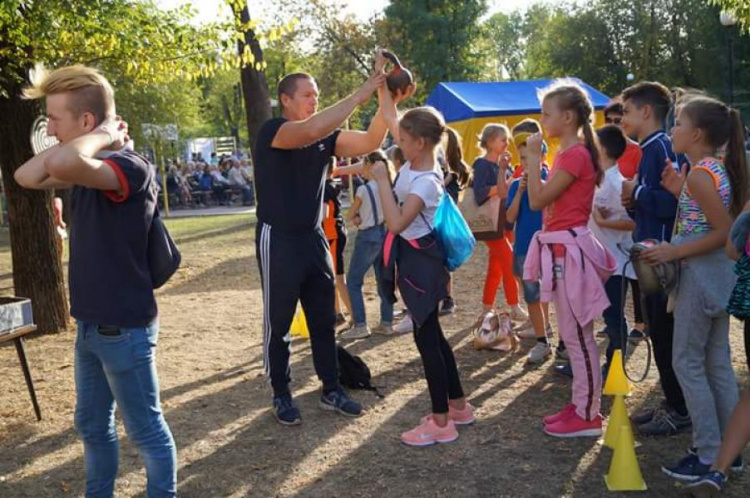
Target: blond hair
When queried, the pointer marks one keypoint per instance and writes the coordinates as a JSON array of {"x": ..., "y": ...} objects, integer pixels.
[
  {"x": 89, "y": 90},
  {"x": 489, "y": 133},
  {"x": 569, "y": 95}
]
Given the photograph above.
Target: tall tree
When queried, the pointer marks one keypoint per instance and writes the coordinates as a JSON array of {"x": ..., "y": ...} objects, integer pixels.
[
  {"x": 677, "y": 42},
  {"x": 504, "y": 46},
  {"x": 438, "y": 38},
  {"x": 254, "y": 85},
  {"x": 158, "y": 46}
]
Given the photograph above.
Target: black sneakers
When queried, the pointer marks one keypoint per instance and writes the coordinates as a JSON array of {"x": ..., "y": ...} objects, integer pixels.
[{"x": 447, "y": 307}]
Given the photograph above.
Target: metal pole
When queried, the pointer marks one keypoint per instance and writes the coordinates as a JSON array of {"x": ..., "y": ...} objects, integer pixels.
[
  {"x": 351, "y": 177},
  {"x": 163, "y": 170},
  {"x": 731, "y": 65},
  {"x": 27, "y": 375}
]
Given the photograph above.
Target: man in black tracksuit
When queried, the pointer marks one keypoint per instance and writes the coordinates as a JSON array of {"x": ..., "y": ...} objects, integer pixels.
[{"x": 291, "y": 156}]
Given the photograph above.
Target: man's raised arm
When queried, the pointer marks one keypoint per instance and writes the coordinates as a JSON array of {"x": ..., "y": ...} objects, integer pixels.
[{"x": 297, "y": 134}]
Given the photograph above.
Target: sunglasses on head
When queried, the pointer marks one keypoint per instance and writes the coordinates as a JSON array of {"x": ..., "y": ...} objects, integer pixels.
[{"x": 613, "y": 120}]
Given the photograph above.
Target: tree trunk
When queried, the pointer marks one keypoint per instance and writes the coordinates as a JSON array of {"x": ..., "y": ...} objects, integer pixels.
[
  {"x": 37, "y": 264},
  {"x": 254, "y": 85}
]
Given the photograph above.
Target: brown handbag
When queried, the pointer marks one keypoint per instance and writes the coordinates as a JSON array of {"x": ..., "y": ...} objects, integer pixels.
[{"x": 486, "y": 221}]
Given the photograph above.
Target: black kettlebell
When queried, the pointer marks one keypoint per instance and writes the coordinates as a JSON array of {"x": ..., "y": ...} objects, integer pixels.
[{"x": 399, "y": 78}]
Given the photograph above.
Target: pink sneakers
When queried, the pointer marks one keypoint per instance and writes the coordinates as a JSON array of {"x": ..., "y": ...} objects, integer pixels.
[
  {"x": 462, "y": 417},
  {"x": 459, "y": 417},
  {"x": 566, "y": 412},
  {"x": 575, "y": 426},
  {"x": 428, "y": 433}
]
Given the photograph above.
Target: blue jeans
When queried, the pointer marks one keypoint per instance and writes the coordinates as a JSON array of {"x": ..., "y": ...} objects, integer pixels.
[
  {"x": 531, "y": 290},
  {"x": 616, "y": 325},
  {"x": 121, "y": 368},
  {"x": 368, "y": 251}
]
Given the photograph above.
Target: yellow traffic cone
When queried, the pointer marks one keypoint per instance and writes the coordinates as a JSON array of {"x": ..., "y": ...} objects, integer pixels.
[
  {"x": 617, "y": 420},
  {"x": 624, "y": 472},
  {"x": 299, "y": 325},
  {"x": 617, "y": 382}
]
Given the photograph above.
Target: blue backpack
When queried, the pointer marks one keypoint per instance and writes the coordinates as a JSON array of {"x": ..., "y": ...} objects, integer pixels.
[{"x": 452, "y": 232}]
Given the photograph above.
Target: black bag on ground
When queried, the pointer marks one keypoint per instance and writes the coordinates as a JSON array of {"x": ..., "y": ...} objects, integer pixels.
[
  {"x": 354, "y": 372},
  {"x": 163, "y": 256}
]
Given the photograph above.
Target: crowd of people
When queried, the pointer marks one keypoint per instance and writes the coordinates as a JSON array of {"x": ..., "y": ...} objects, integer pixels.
[
  {"x": 568, "y": 222},
  {"x": 571, "y": 224},
  {"x": 199, "y": 183}
]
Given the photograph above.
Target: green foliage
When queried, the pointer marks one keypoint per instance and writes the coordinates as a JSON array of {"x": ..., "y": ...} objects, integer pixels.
[
  {"x": 740, "y": 9},
  {"x": 503, "y": 46},
  {"x": 222, "y": 108},
  {"x": 126, "y": 38},
  {"x": 439, "y": 40},
  {"x": 678, "y": 42},
  {"x": 154, "y": 58},
  {"x": 175, "y": 102}
]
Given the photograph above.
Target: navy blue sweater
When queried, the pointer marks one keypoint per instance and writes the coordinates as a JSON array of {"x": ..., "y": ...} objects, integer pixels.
[
  {"x": 655, "y": 207},
  {"x": 485, "y": 177}
]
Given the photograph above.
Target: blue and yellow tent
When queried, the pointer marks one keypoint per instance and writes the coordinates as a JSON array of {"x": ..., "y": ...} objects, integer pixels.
[{"x": 467, "y": 107}]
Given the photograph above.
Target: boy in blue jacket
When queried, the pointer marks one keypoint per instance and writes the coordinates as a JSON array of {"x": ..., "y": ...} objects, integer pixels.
[{"x": 645, "y": 107}]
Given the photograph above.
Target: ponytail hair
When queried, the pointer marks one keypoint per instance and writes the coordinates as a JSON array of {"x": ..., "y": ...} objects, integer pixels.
[
  {"x": 592, "y": 144},
  {"x": 735, "y": 162},
  {"x": 424, "y": 122},
  {"x": 380, "y": 155},
  {"x": 570, "y": 96},
  {"x": 454, "y": 156},
  {"x": 722, "y": 127}
]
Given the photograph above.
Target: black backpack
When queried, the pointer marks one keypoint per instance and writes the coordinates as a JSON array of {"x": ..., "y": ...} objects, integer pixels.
[
  {"x": 163, "y": 256},
  {"x": 354, "y": 372}
]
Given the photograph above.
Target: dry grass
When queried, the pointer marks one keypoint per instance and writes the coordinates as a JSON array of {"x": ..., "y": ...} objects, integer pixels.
[{"x": 217, "y": 404}]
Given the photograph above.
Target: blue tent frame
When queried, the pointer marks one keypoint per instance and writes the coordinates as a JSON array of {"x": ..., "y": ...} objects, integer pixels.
[{"x": 465, "y": 100}]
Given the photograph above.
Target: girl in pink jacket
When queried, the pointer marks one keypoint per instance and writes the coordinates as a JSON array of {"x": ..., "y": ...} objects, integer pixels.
[{"x": 565, "y": 256}]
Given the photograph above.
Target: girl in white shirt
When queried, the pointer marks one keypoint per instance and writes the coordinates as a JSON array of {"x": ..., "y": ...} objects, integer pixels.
[{"x": 422, "y": 275}]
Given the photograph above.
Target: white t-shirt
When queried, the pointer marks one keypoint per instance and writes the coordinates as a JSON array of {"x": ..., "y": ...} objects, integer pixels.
[
  {"x": 428, "y": 185},
  {"x": 366, "y": 214},
  {"x": 608, "y": 196}
]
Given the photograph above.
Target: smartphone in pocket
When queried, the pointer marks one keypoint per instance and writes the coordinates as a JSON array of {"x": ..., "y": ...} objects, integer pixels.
[{"x": 108, "y": 330}]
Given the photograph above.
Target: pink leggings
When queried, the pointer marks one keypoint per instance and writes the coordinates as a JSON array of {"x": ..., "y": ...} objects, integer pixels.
[{"x": 584, "y": 355}]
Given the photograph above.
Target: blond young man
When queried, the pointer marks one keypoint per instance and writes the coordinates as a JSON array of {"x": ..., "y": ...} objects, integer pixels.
[{"x": 113, "y": 199}]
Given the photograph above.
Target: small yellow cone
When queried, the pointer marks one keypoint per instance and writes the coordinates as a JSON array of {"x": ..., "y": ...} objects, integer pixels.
[
  {"x": 617, "y": 419},
  {"x": 299, "y": 325},
  {"x": 617, "y": 382},
  {"x": 624, "y": 472}
]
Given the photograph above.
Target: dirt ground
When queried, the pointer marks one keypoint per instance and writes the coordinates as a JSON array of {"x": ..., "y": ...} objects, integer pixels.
[{"x": 217, "y": 403}]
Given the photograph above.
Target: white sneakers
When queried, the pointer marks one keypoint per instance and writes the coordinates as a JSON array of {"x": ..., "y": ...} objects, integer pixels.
[
  {"x": 539, "y": 353},
  {"x": 405, "y": 326}
]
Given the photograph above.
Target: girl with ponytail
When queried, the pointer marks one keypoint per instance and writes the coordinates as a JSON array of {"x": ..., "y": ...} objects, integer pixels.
[
  {"x": 570, "y": 262},
  {"x": 709, "y": 197},
  {"x": 421, "y": 275}
]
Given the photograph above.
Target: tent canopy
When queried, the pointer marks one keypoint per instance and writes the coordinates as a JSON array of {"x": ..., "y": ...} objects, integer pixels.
[
  {"x": 468, "y": 107},
  {"x": 466, "y": 100}
]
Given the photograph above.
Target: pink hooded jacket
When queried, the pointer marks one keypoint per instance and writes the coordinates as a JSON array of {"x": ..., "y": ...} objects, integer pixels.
[{"x": 588, "y": 264}]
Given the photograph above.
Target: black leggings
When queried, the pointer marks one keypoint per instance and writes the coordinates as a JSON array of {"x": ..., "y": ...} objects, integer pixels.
[
  {"x": 747, "y": 342},
  {"x": 440, "y": 368}
]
